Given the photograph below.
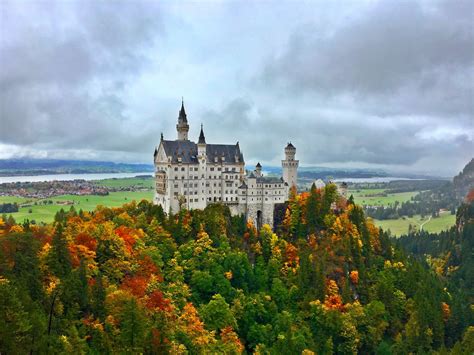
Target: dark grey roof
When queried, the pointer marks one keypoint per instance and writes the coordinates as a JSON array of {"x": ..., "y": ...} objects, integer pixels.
[
  {"x": 258, "y": 165},
  {"x": 187, "y": 150},
  {"x": 269, "y": 180},
  {"x": 228, "y": 151},
  {"x": 290, "y": 145}
]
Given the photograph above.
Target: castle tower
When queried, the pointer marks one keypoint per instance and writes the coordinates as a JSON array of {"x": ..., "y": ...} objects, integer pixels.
[
  {"x": 258, "y": 170},
  {"x": 290, "y": 165},
  {"x": 182, "y": 127}
]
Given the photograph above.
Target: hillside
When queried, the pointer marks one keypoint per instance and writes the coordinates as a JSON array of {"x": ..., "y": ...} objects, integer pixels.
[
  {"x": 449, "y": 253},
  {"x": 464, "y": 181},
  {"x": 134, "y": 280}
]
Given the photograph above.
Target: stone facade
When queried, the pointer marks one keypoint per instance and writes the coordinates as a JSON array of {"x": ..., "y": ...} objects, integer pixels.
[{"x": 193, "y": 175}]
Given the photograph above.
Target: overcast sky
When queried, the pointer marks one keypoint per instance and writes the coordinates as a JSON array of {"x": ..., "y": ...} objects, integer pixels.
[{"x": 380, "y": 84}]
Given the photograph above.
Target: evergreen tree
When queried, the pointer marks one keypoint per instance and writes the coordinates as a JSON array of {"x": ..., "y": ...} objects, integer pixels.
[{"x": 59, "y": 259}]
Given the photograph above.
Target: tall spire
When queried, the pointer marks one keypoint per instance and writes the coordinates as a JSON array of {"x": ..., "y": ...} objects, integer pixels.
[
  {"x": 202, "y": 139},
  {"x": 182, "y": 112}
]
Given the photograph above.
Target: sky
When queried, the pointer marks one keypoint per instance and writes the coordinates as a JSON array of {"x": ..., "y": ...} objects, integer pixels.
[{"x": 357, "y": 84}]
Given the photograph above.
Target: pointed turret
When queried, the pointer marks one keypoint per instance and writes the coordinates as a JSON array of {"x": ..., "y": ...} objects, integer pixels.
[
  {"x": 182, "y": 112},
  {"x": 202, "y": 139},
  {"x": 258, "y": 170},
  {"x": 182, "y": 127},
  {"x": 201, "y": 146}
]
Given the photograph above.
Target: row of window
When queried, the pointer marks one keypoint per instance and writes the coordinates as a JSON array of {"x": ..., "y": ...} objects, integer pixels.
[
  {"x": 185, "y": 185},
  {"x": 191, "y": 168},
  {"x": 186, "y": 192},
  {"x": 266, "y": 185},
  {"x": 218, "y": 199},
  {"x": 266, "y": 193}
]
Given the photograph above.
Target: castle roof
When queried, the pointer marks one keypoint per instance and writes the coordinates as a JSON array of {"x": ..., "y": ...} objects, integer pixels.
[
  {"x": 187, "y": 151},
  {"x": 269, "y": 180},
  {"x": 258, "y": 165}
]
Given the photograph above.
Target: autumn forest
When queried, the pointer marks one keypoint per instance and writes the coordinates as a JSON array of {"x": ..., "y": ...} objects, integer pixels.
[{"x": 134, "y": 279}]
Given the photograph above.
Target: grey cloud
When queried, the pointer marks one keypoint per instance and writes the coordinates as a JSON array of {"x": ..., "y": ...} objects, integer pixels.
[
  {"x": 394, "y": 49},
  {"x": 322, "y": 140},
  {"x": 385, "y": 83},
  {"x": 64, "y": 73}
]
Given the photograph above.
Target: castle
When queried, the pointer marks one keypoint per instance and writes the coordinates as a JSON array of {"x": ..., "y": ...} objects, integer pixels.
[{"x": 194, "y": 175}]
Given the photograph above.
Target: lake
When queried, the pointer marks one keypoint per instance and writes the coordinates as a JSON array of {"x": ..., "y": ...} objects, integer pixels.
[{"x": 68, "y": 177}]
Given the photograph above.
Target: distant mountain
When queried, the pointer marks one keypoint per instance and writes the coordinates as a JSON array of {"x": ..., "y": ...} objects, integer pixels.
[
  {"x": 325, "y": 173},
  {"x": 11, "y": 167}
]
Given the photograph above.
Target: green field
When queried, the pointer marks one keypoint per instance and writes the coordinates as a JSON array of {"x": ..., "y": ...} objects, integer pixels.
[
  {"x": 13, "y": 199},
  {"x": 366, "y": 197},
  {"x": 45, "y": 213},
  {"x": 434, "y": 225},
  {"x": 400, "y": 226},
  {"x": 126, "y": 182}
]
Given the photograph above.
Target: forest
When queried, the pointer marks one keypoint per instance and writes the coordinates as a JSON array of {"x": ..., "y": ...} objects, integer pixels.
[{"x": 133, "y": 279}]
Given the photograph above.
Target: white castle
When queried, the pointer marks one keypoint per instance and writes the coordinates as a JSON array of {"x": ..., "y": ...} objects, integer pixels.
[{"x": 194, "y": 175}]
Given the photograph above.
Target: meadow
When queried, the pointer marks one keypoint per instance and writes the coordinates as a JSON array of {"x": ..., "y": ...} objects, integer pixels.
[
  {"x": 127, "y": 182},
  {"x": 400, "y": 226},
  {"x": 45, "y": 213},
  {"x": 372, "y": 196}
]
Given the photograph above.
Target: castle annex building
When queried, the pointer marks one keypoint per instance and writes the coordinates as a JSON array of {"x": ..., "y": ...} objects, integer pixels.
[{"x": 193, "y": 175}]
